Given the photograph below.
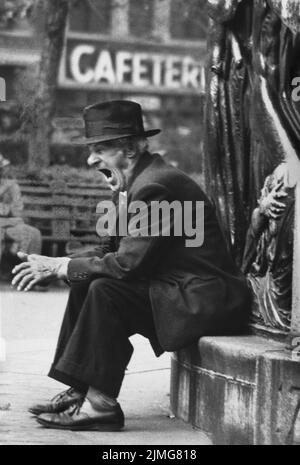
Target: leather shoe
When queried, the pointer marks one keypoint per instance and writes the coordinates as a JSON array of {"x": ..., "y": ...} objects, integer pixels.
[
  {"x": 74, "y": 419},
  {"x": 59, "y": 403}
]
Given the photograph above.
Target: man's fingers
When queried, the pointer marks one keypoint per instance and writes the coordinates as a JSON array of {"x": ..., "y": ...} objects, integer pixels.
[
  {"x": 20, "y": 267},
  {"x": 31, "y": 284},
  {"x": 25, "y": 281},
  {"x": 20, "y": 275}
]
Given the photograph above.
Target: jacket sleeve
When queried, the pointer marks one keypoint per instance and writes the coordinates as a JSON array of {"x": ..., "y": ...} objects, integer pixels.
[
  {"x": 135, "y": 256},
  {"x": 106, "y": 245}
]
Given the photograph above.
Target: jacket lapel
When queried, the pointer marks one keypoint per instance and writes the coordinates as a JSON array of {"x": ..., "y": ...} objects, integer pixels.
[{"x": 145, "y": 161}]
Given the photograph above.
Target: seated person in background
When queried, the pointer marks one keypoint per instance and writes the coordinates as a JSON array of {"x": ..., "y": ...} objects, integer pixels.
[{"x": 15, "y": 235}]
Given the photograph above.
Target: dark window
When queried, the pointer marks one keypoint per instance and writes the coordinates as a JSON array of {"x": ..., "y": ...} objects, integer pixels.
[
  {"x": 140, "y": 14},
  {"x": 8, "y": 74},
  {"x": 91, "y": 16},
  {"x": 188, "y": 19}
]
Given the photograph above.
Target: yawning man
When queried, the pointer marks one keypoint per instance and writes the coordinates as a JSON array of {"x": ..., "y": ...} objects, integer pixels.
[{"x": 153, "y": 285}]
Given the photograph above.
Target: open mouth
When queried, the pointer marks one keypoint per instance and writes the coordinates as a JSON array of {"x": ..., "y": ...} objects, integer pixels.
[
  {"x": 113, "y": 177},
  {"x": 107, "y": 173}
]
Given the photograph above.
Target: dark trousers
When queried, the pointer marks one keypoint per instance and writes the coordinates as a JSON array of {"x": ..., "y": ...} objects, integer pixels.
[{"x": 93, "y": 347}]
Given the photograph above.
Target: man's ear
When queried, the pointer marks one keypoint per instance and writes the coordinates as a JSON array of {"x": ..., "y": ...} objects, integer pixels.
[{"x": 131, "y": 153}]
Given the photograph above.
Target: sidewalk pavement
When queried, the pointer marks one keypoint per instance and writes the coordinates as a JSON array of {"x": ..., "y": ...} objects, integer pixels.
[{"x": 30, "y": 326}]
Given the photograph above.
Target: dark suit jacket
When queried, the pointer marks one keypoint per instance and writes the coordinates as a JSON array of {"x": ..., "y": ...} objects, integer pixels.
[{"x": 193, "y": 291}]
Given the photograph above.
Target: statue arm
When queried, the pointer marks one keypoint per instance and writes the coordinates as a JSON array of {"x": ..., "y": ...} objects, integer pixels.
[
  {"x": 269, "y": 208},
  {"x": 257, "y": 226}
]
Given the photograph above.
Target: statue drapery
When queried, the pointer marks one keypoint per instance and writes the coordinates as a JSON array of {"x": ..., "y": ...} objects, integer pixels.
[{"x": 252, "y": 141}]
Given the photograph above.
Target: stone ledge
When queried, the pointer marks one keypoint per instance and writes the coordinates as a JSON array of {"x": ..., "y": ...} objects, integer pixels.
[{"x": 239, "y": 390}]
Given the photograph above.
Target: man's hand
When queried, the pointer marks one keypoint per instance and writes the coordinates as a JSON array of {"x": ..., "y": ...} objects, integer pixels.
[
  {"x": 38, "y": 268},
  {"x": 270, "y": 206}
]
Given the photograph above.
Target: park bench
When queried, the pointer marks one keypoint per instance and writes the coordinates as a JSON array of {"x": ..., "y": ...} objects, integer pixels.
[{"x": 65, "y": 213}]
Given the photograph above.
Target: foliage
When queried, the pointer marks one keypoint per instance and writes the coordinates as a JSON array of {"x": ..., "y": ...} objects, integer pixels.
[{"x": 12, "y": 10}]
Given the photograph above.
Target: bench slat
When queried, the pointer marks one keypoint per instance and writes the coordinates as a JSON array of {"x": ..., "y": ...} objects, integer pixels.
[
  {"x": 36, "y": 190},
  {"x": 33, "y": 191},
  {"x": 27, "y": 183},
  {"x": 38, "y": 214},
  {"x": 63, "y": 201}
]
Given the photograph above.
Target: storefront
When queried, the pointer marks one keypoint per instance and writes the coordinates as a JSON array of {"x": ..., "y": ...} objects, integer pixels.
[
  {"x": 167, "y": 80},
  {"x": 19, "y": 53},
  {"x": 150, "y": 51}
]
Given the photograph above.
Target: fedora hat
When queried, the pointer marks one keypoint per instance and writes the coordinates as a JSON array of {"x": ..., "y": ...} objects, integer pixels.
[
  {"x": 3, "y": 161},
  {"x": 113, "y": 120}
]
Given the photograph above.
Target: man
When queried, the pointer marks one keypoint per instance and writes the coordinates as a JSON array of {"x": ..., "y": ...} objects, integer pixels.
[
  {"x": 15, "y": 234},
  {"x": 152, "y": 285}
]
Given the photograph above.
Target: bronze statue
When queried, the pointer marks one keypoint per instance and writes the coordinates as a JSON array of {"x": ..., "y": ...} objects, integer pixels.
[
  {"x": 253, "y": 142},
  {"x": 268, "y": 253}
]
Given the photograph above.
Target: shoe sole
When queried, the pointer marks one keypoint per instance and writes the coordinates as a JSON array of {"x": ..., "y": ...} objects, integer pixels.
[
  {"x": 93, "y": 427},
  {"x": 39, "y": 411}
]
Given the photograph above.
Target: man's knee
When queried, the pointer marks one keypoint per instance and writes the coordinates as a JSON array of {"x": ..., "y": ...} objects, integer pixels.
[
  {"x": 93, "y": 287},
  {"x": 79, "y": 288},
  {"x": 101, "y": 286},
  {"x": 99, "y": 290}
]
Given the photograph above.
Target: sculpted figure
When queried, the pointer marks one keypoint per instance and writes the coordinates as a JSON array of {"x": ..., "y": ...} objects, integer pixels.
[
  {"x": 253, "y": 142},
  {"x": 269, "y": 251},
  {"x": 227, "y": 143}
]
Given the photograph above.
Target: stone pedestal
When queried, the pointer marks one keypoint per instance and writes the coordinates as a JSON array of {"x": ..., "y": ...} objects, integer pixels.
[{"x": 239, "y": 390}]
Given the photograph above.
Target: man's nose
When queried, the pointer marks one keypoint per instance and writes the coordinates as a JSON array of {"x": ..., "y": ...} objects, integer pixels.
[{"x": 93, "y": 159}]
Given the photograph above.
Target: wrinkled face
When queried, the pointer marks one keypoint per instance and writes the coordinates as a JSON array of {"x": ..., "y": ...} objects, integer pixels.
[{"x": 110, "y": 159}]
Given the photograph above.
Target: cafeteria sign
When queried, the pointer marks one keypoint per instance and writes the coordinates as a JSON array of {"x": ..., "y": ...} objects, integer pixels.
[{"x": 105, "y": 64}]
